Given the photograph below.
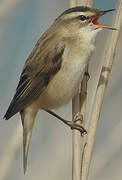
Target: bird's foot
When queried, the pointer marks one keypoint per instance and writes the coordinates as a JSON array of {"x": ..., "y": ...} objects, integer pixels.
[
  {"x": 78, "y": 117},
  {"x": 74, "y": 125}
]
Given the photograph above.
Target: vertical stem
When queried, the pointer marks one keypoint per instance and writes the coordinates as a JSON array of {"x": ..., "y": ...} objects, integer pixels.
[
  {"x": 79, "y": 105},
  {"x": 76, "y": 156},
  {"x": 108, "y": 58}
]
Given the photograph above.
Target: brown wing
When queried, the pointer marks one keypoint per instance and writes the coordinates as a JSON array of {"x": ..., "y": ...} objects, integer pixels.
[{"x": 43, "y": 63}]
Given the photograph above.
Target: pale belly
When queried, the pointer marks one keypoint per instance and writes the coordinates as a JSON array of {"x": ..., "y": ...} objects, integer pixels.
[
  {"x": 62, "y": 87},
  {"x": 65, "y": 83}
]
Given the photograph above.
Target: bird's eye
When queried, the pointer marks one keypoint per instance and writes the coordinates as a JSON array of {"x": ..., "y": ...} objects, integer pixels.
[{"x": 83, "y": 18}]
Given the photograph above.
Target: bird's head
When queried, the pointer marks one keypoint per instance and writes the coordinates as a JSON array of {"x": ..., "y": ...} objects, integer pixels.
[{"x": 83, "y": 17}]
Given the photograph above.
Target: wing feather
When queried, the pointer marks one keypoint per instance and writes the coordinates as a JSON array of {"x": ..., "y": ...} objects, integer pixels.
[{"x": 40, "y": 67}]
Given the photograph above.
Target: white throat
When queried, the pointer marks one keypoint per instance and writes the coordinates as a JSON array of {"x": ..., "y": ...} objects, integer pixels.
[{"x": 89, "y": 32}]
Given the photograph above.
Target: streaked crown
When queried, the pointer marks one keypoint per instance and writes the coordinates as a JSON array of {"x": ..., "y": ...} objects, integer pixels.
[{"x": 83, "y": 15}]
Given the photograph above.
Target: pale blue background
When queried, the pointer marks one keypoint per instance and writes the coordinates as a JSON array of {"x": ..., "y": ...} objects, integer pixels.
[{"x": 21, "y": 24}]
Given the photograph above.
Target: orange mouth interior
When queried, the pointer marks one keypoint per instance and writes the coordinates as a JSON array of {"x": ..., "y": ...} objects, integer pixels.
[{"x": 95, "y": 22}]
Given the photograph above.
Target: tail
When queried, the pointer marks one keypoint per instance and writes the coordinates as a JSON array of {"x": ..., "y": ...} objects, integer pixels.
[{"x": 28, "y": 118}]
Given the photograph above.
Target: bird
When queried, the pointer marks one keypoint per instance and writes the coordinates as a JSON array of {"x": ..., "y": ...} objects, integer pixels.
[{"x": 54, "y": 69}]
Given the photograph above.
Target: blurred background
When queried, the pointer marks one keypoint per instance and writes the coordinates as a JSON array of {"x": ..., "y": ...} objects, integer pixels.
[{"x": 50, "y": 155}]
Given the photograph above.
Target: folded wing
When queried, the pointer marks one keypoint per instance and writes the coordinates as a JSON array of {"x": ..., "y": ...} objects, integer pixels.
[{"x": 40, "y": 67}]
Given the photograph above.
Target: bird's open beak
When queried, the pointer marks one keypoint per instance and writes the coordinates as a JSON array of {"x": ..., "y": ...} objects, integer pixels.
[{"x": 102, "y": 26}]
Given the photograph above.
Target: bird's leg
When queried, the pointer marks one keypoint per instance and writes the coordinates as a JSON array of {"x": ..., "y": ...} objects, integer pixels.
[{"x": 71, "y": 124}]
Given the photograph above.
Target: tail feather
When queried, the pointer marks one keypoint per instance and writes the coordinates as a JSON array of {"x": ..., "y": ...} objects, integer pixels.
[
  {"x": 26, "y": 144},
  {"x": 28, "y": 119}
]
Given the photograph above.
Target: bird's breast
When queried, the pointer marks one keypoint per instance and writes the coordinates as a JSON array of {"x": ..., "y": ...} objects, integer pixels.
[{"x": 65, "y": 83}]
